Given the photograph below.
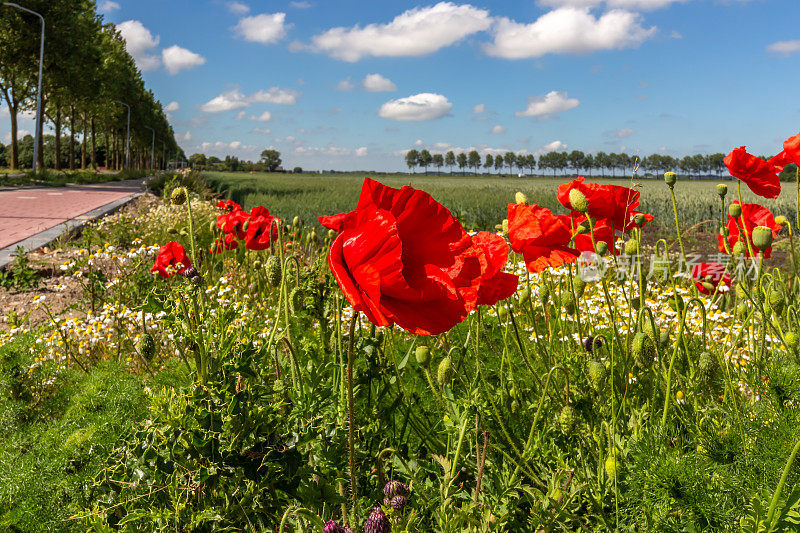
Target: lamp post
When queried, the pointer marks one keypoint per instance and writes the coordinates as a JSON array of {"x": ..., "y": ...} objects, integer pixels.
[
  {"x": 128, "y": 137},
  {"x": 152, "y": 148},
  {"x": 163, "y": 154},
  {"x": 37, "y": 138}
]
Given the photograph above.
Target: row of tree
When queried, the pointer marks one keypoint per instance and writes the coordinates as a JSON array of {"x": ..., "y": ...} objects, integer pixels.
[
  {"x": 575, "y": 161},
  {"x": 87, "y": 72}
]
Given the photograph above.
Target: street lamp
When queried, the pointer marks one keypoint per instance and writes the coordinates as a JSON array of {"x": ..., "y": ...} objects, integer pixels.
[
  {"x": 153, "y": 147},
  {"x": 128, "y": 138},
  {"x": 164, "y": 154},
  {"x": 39, "y": 89}
]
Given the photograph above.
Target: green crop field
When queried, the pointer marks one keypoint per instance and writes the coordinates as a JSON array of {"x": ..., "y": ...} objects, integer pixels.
[{"x": 478, "y": 201}]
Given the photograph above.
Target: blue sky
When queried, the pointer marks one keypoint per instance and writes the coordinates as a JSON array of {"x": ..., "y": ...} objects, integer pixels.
[{"x": 352, "y": 84}]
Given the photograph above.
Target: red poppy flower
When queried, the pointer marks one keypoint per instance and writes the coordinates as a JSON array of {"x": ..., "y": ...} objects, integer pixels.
[
  {"x": 754, "y": 215},
  {"x": 229, "y": 205},
  {"x": 233, "y": 223},
  {"x": 613, "y": 202},
  {"x": 402, "y": 258},
  {"x": 707, "y": 277},
  {"x": 791, "y": 149},
  {"x": 780, "y": 160},
  {"x": 540, "y": 236},
  {"x": 759, "y": 175},
  {"x": 602, "y": 233},
  {"x": 495, "y": 285},
  {"x": 171, "y": 260},
  {"x": 229, "y": 242},
  {"x": 262, "y": 229}
]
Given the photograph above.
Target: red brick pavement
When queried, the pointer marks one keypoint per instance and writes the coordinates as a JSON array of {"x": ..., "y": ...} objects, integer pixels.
[{"x": 28, "y": 211}]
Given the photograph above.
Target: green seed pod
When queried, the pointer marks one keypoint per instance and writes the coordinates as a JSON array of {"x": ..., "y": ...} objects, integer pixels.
[
  {"x": 583, "y": 228},
  {"x": 663, "y": 337},
  {"x": 578, "y": 201},
  {"x": 296, "y": 221},
  {"x": 566, "y": 419},
  {"x": 178, "y": 195},
  {"x": 670, "y": 178},
  {"x": 568, "y": 302},
  {"x": 792, "y": 340},
  {"x": 147, "y": 346},
  {"x": 631, "y": 247},
  {"x": 525, "y": 295},
  {"x": 762, "y": 237},
  {"x": 520, "y": 198},
  {"x": 297, "y": 300},
  {"x": 502, "y": 313},
  {"x": 722, "y": 190},
  {"x": 423, "y": 355},
  {"x": 505, "y": 227},
  {"x": 647, "y": 329},
  {"x": 740, "y": 291},
  {"x": 612, "y": 465},
  {"x": 707, "y": 364},
  {"x": 313, "y": 238},
  {"x": 445, "y": 371},
  {"x": 738, "y": 249},
  {"x": 781, "y": 220},
  {"x": 212, "y": 227},
  {"x": 735, "y": 210},
  {"x": 742, "y": 309},
  {"x": 257, "y": 265},
  {"x": 776, "y": 301},
  {"x": 274, "y": 270},
  {"x": 642, "y": 349},
  {"x": 544, "y": 294},
  {"x": 601, "y": 248},
  {"x": 638, "y": 219},
  {"x": 579, "y": 285},
  {"x": 597, "y": 375}
]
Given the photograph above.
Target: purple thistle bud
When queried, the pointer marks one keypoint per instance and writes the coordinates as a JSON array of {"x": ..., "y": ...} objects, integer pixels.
[
  {"x": 395, "y": 488},
  {"x": 190, "y": 272},
  {"x": 332, "y": 526},
  {"x": 377, "y": 522},
  {"x": 398, "y": 503}
]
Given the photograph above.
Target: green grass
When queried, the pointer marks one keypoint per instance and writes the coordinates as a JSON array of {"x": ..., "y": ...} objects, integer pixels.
[
  {"x": 50, "y": 450},
  {"x": 479, "y": 202}
]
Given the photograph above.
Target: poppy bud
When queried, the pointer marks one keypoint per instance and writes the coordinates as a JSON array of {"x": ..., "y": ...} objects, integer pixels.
[
  {"x": 582, "y": 228},
  {"x": 725, "y": 231},
  {"x": 740, "y": 292},
  {"x": 257, "y": 265},
  {"x": 568, "y": 303},
  {"x": 178, "y": 195},
  {"x": 776, "y": 301},
  {"x": 792, "y": 339},
  {"x": 423, "y": 355},
  {"x": 611, "y": 466},
  {"x": 638, "y": 219},
  {"x": 707, "y": 365},
  {"x": 601, "y": 247},
  {"x": 642, "y": 349},
  {"x": 670, "y": 178},
  {"x": 520, "y": 198},
  {"x": 762, "y": 237},
  {"x": 578, "y": 202},
  {"x": 331, "y": 234},
  {"x": 444, "y": 373},
  {"x": 172, "y": 231},
  {"x": 781, "y": 220},
  {"x": 742, "y": 309},
  {"x": 525, "y": 295},
  {"x": 597, "y": 375},
  {"x": 631, "y": 247},
  {"x": 722, "y": 190},
  {"x": 212, "y": 227},
  {"x": 296, "y": 300},
  {"x": 274, "y": 270},
  {"x": 296, "y": 221},
  {"x": 738, "y": 249},
  {"x": 735, "y": 210},
  {"x": 313, "y": 237},
  {"x": 245, "y": 225},
  {"x": 579, "y": 285},
  {"x": 147, "y": 346},
  {"x": 566, "y": 419},
  {"x": 505, "y": 227},
  {"x": 502, "y": 313}
]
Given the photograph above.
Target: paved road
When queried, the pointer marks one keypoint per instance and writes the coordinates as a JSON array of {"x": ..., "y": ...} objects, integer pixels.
[{"x": 27, "y": 211}]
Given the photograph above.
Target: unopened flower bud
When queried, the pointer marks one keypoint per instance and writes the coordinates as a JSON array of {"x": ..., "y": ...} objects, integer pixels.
[
  {"x": 502, "y": 313},
  {"x": 566, "y": 419},
  {"x": 257, "y": 265},
  {"x": 631, "y": 247},
  {"x": 544, "y": 294},
  {"x": 738, "y": 249},
  {"x": 423, "y": 355},
  {"x": 525, "y": 295},
  {"x": 762, "y": 237},
  {"x": 505, "y": 227},
  {"x": 147, "y": 346},
  {"x": 735, "y": 210},
  {"x": 792, "y": 339},
  {"x": 274, "y": 270},
  {"x": 670, "y": 178},
  {"x": 579, "y": 285},
  {"x": 781, "y": 220},
  {"x": 611, "y": 466},
  {"x": 520, "y": 198},
  {"x": 568, "y": 303},
  {"x": 331, "y": 234},
  {"x": 722, "y": 190},
  {"x": 597, "y": 375},
  {"x": 601, "y": 247},
  {"x": 639, "y": 219},
  {"x": 296, "y": 221},
  {"x": 178, "y": 195},
  {"x": 444, "y": 372},
  {"x": 578, "y": 202}
]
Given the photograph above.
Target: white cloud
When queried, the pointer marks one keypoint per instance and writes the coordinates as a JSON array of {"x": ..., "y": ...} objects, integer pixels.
[
  {"x": 238, "y": 8},
  {"x": 418, "y": 142},
  {"x": 376, "y": 83},
  {"x": 416, "y": 32},
  {"x": 330, "y": 150},
  {"x": 263, "y": 117},
  {"x": 109, "y": 6},
  {"x": 176, "y": 59},
  {"x": 498, "y": 129},
  {"x": 620, "y": 134},
  {"x": 567, "y": 30},
  {"x": 264, "y": 28},
  {"x": 139, "y": 42},
  {"x": 555, "y": 146},
  {"x": 415, "y": 108},
  {"x": 479, "y": 108},
  {"x": 300, "y": 5},
  {"x": 240, "y": 115},
  {"x": 265, "y": 131},
  {"x": 639, "y": 5},
  {"x": 784, "y": 47},
  {"x": 276, "y": 95},
  {"x": 548, "y": 104},
  {"x": 345, "y": 85},
  {"x": 360, "y": 152},
  {"x": 226, "y": 101},
  {"x": 172, "y": 106},
  {"x": 20, "y": 135},
  {"x": 185, "y": 137}
]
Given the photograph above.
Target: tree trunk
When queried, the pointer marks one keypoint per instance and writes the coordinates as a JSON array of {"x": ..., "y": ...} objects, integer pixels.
[
  {"x": 107, "y": 157},
  {"x": 72, "y": 137},
  {"x": 94, "y": 148},
  {"x": 83, "y": 144},
  {"x": 12, "y": 112},
  {"x": 57, "y": 162}
]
